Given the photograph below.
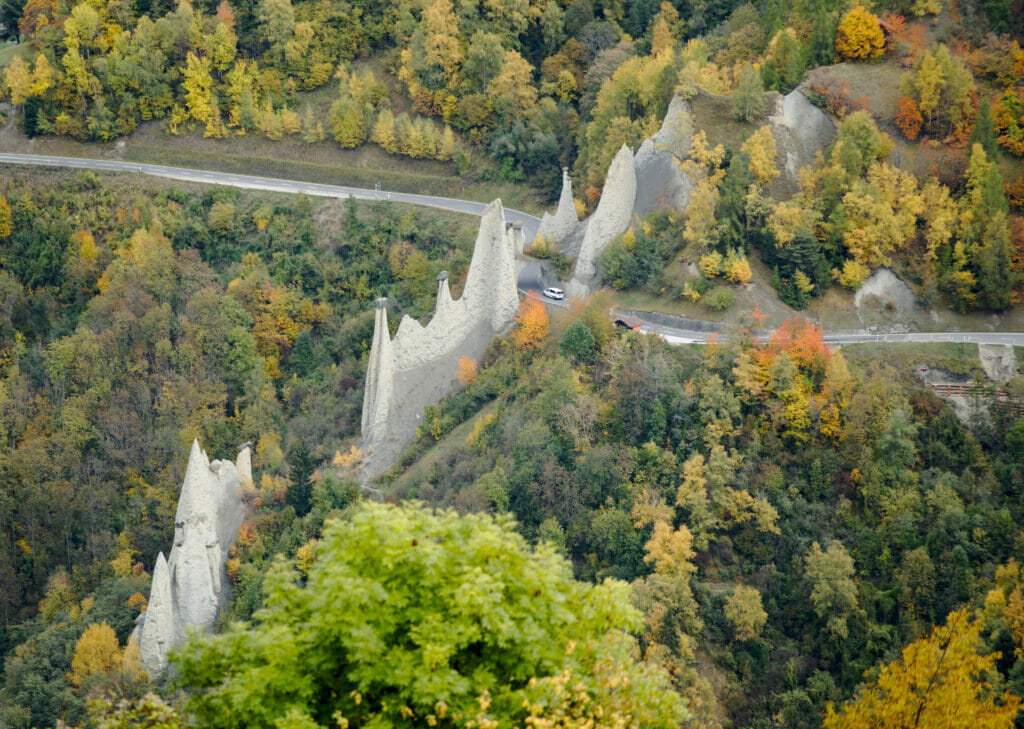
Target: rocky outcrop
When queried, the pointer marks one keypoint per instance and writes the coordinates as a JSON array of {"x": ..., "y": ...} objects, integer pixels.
[
  {"x": 377, "y": 391},
  {"x": 885, "y": 290},
  {"x": 801, "y": 130},
  {"x": 998, "y": 361},
  {"x": 417, "y": 367},
  {"x": 635, "y": 187},
  {"x": 660, "y": 182},
  {"x": 612, "y": 217},
  {"x": 189, "y": 587},
  {"x": 565, "y": 221}
]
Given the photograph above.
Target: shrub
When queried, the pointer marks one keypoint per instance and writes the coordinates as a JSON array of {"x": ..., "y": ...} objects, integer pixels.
[{"x": 719, "y": 298}]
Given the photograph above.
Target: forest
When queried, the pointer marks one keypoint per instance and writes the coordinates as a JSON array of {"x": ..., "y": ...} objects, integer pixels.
[
  {"x": 784, "y": 517},
  {"x": 594, "y": 528}
]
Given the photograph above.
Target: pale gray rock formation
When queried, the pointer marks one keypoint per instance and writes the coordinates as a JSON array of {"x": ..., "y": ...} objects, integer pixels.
[
  {"x": 884, "y": 289},
  {"x": 243, "y": 464},
  {"x": 379, "y": 378},
  {"x": 157, "y": 634},
  {"x": 189, "y": 587},
  {"x": 998, "y": 361},
  {"x": 612, "y": 218},
  {"x": 660, "y": 181},
  {"x": 417, "y": 367},
  {"x": 800, "y": 129},
  {"x": 565, "y": 221},
  {"x": 516, "y": 237}
]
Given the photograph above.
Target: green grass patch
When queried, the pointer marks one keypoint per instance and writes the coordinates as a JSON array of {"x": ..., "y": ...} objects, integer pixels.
[
  {"x": 958, "y": 358},
  {"x": 713, "y": 114},
  {"x": 24, "y": 51}
]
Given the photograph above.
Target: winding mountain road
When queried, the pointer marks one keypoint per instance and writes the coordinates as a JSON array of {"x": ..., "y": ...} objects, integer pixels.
[
  {"x": 529, "y": 278},
  {"x": 249, "y": 182}
]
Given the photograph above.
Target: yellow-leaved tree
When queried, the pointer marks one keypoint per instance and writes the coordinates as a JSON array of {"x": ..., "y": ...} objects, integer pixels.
[
  {"x": 860, "y": 36},
  {"x": 743, "y": 609},
  {"x": 6, "y": 221},
  {"x": 531, "y": 323},
  {"x": 938, "y": 683},
  {"x": 97, "y": 651},
  {"x": 466, "y": 371},
  {"x": 761, "y": 148}
]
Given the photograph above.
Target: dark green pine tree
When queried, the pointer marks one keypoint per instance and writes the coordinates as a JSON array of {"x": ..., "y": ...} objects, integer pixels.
[
  {"x": 578, "y": 342},
  {"x": 731, "y": 209},
  {"x": 301, "y": 358},
  {"x": 300, "y": 470},
  {"x": 992, "y": 244},
  {"x": 984, "y": 131}
]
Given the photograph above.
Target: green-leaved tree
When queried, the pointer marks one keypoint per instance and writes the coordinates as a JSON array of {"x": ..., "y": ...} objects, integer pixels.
[{"x": 409, "y": 616}]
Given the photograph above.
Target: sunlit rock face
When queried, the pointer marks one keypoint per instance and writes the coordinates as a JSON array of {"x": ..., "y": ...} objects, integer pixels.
[
  {"x": 613, "y": 216},
  {"x": 417, "y": 366},
  {"x": 189, "y": 587},
  {"x": 801, "y": 130}
]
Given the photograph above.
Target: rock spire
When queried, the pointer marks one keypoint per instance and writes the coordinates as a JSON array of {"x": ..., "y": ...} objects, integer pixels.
[
  {"x": 417, "y": 366},
  {"x": 565, "y": 221},
  {"x": 612, "y": 217},
  {"x": 189, "y": 587}
]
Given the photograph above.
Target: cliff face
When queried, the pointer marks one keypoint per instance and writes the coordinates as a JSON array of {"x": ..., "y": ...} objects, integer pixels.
[
  {"x": 612, "y": 217},
  {"x": 189, "y": 588},
  {"x": 659, "y": 178},
  {"x": 417, "y": 367},
  {"x": 800, "y": 130}
]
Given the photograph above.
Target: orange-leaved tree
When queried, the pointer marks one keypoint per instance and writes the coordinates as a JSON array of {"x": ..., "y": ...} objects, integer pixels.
[
  {"x": 937, "y": 684},
  {"x": 860, "y": 36},
  {"x": 908, "y": 117},
  {"x": 531, "y": 323},
  {"x": 466, "y": 370}
]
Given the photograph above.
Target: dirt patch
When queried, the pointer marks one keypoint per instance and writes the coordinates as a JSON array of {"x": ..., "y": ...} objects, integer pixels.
[
  {"x": 329, "y": 218},
  {"x": 713, "y": 114},
  {"x": 872, "y": 85}
]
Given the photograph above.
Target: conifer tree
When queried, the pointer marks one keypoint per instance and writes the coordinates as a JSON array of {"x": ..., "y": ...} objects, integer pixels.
[{"x": 984, "y": 131}]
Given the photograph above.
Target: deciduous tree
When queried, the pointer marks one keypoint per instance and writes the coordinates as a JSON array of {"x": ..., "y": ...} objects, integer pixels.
[
  {"x": 531, "y": 323},
  {"x": 743, "y": 609},
  {"x": 860, "y": 36},
  {"x": 466, "y": 621},
  {"x": 939, "y": 682},
  {"x": 97, "y": 651}
]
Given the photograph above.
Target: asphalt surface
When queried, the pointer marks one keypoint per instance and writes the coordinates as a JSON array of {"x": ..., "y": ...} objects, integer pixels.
[
  {"x": 249, "y": 182},
  {"x": 529, "y": 278},
  {"x": 682, "y": 336}
]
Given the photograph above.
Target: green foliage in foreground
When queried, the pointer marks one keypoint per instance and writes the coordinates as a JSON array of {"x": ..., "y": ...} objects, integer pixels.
[{"x": 408, "y": 614}]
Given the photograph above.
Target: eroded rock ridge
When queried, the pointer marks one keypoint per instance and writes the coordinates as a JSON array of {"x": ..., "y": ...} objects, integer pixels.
[
  {"x": 189, "y": 586},
  {"x": 417, "y": 367}
]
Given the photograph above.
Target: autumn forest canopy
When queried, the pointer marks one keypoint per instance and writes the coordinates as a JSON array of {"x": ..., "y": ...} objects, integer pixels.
[{"x": 592, "y": 528}]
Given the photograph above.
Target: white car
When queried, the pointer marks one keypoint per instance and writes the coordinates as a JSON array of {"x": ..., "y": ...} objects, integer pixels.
[{"x": 553, "y": 293}]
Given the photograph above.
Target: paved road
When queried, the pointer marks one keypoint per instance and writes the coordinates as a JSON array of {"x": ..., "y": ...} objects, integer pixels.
[
  {"x": 530, "y": 223},
  {"x": 529, "y": 276},
  {"x": 682, "y": 336}
]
